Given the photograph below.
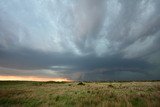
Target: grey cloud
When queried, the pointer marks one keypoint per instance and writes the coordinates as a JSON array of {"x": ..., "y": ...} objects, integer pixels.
[{"x": 83, "y": 40}]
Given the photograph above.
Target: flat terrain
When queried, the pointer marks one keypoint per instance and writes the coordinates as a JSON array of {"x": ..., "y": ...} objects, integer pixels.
[{"x": 93, "y": 94}]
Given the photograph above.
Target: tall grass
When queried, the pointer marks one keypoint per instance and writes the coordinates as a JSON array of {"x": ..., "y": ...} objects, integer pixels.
[{"x": 57, "y": 94}]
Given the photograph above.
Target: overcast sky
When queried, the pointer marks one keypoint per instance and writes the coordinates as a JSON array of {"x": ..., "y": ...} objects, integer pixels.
[{"x": 80, "y": 39}]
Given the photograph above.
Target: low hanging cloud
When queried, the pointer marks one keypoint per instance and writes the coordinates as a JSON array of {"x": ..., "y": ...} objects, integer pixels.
[{"x": 80, "y": 40}]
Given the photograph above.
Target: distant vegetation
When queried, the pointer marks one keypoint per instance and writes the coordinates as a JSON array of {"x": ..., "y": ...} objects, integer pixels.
[
  {"x": 79, "y": 94},
  {"x": 80, "y": 83}
]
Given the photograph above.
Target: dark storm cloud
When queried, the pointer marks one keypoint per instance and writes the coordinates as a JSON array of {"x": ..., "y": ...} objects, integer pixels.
[{"x": 81, "y": 40}]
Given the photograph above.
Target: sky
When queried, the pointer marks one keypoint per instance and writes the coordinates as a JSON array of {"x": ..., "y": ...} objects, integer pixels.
[{"x": 83, "y": 40}]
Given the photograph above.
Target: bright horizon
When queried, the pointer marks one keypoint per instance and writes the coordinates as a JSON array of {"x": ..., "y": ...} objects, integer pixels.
[{"x": 32, "y": 78}]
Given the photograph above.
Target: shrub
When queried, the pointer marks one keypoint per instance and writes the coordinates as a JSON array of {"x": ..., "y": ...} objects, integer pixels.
[
  {"x": 110, "y": 86},
  {"x": 80, "y": 83}
]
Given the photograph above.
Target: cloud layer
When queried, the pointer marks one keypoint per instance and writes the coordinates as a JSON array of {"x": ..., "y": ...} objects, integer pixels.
[{"x": 80, "y": 39}]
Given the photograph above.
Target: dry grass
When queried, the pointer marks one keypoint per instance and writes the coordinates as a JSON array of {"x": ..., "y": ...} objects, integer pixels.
[{"x": 124, "y": 94}]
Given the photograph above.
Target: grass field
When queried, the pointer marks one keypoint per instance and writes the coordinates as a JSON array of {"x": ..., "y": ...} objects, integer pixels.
[{"x": 91, "y": 94}]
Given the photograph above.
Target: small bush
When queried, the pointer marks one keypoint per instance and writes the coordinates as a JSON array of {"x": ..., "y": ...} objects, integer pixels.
[
  {"x": 80, "y": 83},
  {"x": 88, "y": 91},
  {"x": 57, "y": 98},
  {"x": 110, "y": 86}
]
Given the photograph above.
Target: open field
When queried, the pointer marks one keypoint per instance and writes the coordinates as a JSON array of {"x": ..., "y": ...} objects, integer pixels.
[{"x": 93, "y": 94}]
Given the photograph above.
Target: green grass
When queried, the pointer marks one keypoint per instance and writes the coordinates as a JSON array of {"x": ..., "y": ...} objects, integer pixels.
[{"x": 90, "y": 94}]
